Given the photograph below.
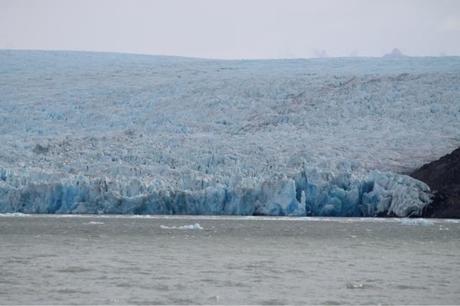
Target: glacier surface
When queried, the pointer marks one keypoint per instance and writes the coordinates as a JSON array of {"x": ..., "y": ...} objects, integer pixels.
[{"x": 131, "y": 134}]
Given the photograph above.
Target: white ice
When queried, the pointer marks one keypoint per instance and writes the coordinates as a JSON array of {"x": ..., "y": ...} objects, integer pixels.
[{"x": 195, "y": 226}]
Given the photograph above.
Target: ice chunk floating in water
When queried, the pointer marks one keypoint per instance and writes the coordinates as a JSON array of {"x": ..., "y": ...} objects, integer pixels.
[
  {"x": 95, "y": 223},
  {"x": 131, "y": 134},
  {"x": 195, "y": 226},
  {"x": 423, "y": 222}
]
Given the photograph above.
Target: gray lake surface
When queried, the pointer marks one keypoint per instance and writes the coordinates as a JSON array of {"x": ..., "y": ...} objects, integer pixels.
[{"x": 46, "y": 259}]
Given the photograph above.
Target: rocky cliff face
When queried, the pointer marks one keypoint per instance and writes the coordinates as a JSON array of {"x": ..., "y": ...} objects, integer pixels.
[{"x": 443, "y": 177}]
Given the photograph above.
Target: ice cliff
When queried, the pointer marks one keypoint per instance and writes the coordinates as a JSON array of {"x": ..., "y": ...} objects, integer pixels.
[
  {"x": 113, "y": 133},
  {"x": 309, "y": 193}
]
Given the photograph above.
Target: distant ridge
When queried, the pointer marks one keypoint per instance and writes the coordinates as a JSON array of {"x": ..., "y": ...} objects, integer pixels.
[{"x": 395, "y": 53}]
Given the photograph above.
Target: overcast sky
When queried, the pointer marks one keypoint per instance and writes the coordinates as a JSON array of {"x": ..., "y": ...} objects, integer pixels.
[{"x": 234, "y": 28}]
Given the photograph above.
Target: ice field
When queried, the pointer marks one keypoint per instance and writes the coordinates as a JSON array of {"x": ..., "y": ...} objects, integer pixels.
[{"x": 133, "y": 134}]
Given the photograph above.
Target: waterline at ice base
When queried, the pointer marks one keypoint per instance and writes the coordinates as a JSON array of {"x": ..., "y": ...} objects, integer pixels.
[{"x": 130, "y": 134}]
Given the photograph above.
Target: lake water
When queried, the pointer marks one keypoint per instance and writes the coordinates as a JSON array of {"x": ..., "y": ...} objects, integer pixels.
[{"x": 222, "y": 260}]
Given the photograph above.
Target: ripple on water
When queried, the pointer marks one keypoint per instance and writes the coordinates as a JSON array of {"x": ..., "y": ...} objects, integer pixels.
[
  {"x": 409, "y": 287},
  {"x": 273, "y": 302},
  {"x": 179, "y": 300},
  {"x": 124, "y": 285},
  {"x": 72, "y": 291},
  {"x": 74, "y": 269},
  {"x": 330, "y": 302}
]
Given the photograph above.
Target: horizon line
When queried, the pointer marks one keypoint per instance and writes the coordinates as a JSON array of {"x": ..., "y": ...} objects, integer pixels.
[{"x": 224, "y": 59}]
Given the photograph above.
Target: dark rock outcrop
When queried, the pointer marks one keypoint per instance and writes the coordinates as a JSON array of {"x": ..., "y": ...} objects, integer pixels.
[{"x": 443, "y": 177}]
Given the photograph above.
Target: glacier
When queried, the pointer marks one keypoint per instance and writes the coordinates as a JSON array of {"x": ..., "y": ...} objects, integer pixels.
[{"x": 106, "y": 133}]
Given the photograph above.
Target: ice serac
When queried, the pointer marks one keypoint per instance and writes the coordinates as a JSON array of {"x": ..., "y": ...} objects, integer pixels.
[
  {"x": 278, "y": 198},
  {"x": 374, "y": 193},
  {"x": 310, "y": 193}
]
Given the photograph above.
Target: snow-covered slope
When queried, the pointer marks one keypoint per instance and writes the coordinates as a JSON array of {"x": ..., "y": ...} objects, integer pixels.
[{"x": 113, "y": 133}]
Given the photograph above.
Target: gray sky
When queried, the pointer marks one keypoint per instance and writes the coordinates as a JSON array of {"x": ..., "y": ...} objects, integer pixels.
[{"x": 234, "y": 28}]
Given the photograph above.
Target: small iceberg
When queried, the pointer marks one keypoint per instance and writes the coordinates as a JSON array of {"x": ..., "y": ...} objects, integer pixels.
[
  {"x": 424, "y": 222},
  {"x": 95, "y": 223},
  {"x": 195, "y": 226},
  {"x": 14, "y": 214}
]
